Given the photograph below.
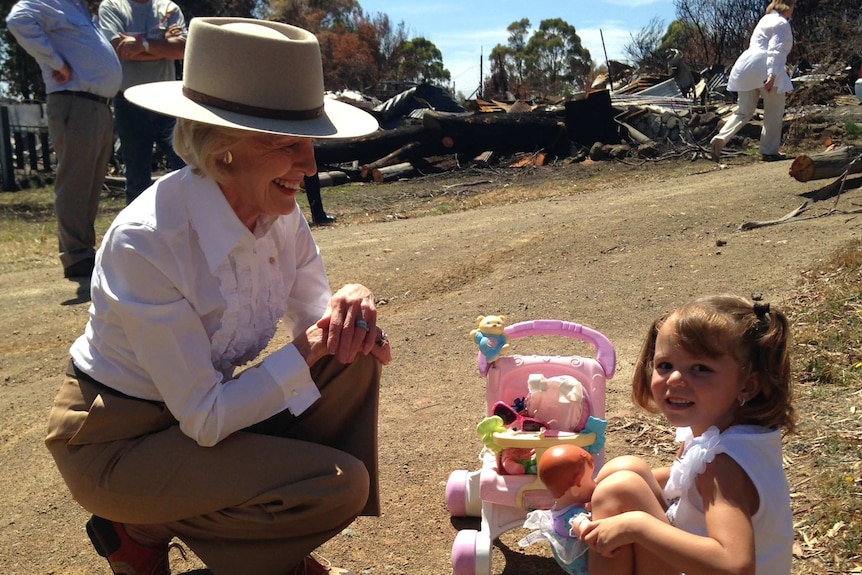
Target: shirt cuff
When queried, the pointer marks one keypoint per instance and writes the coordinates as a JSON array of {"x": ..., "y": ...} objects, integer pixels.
[{"x": 289, "y": 370}]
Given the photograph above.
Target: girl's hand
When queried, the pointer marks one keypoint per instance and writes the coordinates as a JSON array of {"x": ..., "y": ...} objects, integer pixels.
[
  {"x": 770, "y": 83},
  {"x": 349, "y": 326},
  {"x": 607, "y": 535}
]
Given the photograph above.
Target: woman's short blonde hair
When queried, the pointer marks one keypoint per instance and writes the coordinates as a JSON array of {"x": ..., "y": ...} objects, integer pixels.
[
  {"x": 780, "y": 5},
  {"x": 203, "y": 146}
]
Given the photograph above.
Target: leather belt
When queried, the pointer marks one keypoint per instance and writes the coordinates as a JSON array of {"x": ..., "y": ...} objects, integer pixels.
[{"x": 85, "y": 95}]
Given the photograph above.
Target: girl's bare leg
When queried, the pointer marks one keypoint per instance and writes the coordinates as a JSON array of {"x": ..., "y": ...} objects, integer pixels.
[{"x": 627, "y": 484}]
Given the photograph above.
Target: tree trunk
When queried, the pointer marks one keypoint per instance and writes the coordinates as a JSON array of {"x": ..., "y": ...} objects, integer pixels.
[{"x": 828, "y": 164}]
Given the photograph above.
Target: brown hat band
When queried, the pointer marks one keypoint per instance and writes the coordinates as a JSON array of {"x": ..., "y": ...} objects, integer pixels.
[{"x": 255, "y": 111}]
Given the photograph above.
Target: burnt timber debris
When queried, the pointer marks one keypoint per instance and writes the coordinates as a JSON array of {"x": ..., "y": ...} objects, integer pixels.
[{"x": 640, "y": 118}]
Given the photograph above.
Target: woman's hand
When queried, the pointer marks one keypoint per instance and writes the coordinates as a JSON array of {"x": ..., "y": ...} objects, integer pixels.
[
  {"x": 349, "y": 326},
  {"x": 770, "y": 83}
]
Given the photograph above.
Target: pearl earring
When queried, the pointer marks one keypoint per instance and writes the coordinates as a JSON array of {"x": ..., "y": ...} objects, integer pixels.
[
  {"x": 742, "y": 401},
  {"x": 228, "y": 157}
]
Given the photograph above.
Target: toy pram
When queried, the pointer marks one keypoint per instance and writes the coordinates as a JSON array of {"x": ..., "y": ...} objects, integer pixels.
[{"x": 502, "y": 501}]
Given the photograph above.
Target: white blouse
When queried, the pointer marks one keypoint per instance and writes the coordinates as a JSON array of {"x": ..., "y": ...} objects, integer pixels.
[
  {"x": 183, "y": 293},
  {"x": 770, "y": 44},
  {"x": 757, "y": 450}
]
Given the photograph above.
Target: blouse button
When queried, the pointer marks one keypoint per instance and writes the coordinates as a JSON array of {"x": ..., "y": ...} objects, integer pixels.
[
  {"x": 271, "y": 261},
  {"x": 294, "y": 393}
]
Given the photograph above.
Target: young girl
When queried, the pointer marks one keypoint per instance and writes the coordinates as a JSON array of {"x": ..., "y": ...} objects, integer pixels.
[{"x": 718, "y": 370}]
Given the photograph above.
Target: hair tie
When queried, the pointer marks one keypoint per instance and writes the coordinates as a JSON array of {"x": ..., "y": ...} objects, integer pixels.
[{"x": 761, "y": 309}]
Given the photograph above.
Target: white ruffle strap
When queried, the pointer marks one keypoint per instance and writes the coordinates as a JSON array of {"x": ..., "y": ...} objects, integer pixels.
[{"x": 697, "y": 452}]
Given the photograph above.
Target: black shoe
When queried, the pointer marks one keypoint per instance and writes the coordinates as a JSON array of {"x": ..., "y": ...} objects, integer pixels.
[
  {"x": 80, "y": 269},
  {"x": 324, "y": 221},
  {"x": 773, "y": 157}
]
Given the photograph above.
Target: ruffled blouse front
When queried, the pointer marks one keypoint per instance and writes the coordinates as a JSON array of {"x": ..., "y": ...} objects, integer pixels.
[{"x": 253, "y": 290}]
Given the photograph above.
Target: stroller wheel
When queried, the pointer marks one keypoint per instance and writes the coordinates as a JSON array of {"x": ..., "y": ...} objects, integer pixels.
[
  {"x": 456, "y": 493},
  {"x": 464, "y": 552}
]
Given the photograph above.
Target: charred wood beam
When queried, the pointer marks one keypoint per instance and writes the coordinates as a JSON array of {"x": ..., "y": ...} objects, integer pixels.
[
  {"x": 392, "y": 158},
  {"x": 444, "y": 134}
]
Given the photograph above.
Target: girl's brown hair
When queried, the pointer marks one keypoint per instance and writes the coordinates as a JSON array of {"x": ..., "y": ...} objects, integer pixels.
[{"x": 755, "y": 335}]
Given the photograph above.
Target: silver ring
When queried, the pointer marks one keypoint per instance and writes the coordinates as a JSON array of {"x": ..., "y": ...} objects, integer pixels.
[
  {"x": 361, "y": 324},
  {"x": 382, "y": 339}
]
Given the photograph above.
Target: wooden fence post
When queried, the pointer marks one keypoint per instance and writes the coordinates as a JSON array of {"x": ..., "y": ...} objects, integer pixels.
[{"x": 8, "y": 171}]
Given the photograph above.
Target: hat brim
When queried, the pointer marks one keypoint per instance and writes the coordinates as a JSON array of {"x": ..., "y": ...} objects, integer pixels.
[{"x": 340, "y": 120}]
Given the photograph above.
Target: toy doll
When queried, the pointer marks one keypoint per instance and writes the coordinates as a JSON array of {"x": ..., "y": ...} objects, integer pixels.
[
  {"x": 567, "y": 472},
  {"x": 562, "y": 401}
]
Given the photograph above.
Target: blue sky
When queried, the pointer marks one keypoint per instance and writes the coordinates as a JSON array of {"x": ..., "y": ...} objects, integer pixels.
[{"x": 464, "y": 30}]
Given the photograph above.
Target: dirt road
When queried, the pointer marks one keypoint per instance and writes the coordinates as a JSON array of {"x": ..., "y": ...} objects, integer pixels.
[{"x": 611, "y": 257}]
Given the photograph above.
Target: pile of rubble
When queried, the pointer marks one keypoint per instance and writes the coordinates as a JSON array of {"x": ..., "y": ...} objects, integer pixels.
[{"x": 631, "y": 115}]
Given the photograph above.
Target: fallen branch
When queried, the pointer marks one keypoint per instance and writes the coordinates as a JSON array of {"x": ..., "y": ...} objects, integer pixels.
[{"x": 834, "y": 189}]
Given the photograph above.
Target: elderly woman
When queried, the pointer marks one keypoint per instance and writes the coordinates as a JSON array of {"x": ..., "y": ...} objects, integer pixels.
[
  {"x": 162, "y": 429},
  {"x": 759, "y": 72}
]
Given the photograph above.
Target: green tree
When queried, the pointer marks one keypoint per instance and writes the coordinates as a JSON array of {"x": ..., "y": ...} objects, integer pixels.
[
  {"x": 422, "y": 61},
  {"x": 500, "y": 79},
  {"x": 557, "y": 61},
  {"x": 519, "y": 33}
]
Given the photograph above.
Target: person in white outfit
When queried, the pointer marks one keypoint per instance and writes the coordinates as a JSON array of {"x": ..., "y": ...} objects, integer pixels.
[{"x": 759, "y": 72}]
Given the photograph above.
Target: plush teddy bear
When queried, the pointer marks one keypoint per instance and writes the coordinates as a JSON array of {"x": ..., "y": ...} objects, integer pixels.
[{"x": 490, "y": 336}]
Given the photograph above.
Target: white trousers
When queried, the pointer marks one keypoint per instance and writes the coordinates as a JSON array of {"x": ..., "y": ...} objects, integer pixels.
[{"x": 773, "y": 116}]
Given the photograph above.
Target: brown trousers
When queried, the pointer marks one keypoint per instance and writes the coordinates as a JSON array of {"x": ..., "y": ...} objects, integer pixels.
[{"x": 258, "y": 501}]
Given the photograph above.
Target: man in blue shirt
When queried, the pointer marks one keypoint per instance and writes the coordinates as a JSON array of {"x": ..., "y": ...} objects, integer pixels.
[
  {"x": 81, "y": 74},
  {"x": 149, "y": 36}
]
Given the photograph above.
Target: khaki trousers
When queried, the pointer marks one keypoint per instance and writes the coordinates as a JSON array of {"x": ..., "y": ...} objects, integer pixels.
[
  {"x": 257, "y": 502},
  {"x": 773, "y": 118},
  {"x": 81, "y": 131}
]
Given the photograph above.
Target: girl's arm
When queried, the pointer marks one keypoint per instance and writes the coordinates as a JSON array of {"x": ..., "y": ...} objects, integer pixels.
[
  {"x": 661, "y": 475},
  {"x": 729, "y": 498}
]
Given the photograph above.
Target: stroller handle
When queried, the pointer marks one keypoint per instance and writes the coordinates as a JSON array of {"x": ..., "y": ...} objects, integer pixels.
[{"x": 605, "y": 354}]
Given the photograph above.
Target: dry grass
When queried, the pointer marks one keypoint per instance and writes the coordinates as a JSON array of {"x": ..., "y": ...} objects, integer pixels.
[{"x": 824, "y": 457}]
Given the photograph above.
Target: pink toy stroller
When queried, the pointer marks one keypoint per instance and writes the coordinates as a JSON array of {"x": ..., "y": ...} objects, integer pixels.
[{"x": 502, "y": 501}]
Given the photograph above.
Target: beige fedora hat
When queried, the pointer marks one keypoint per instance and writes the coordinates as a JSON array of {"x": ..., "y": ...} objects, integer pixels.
[{"x": 253, "y": 75}]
